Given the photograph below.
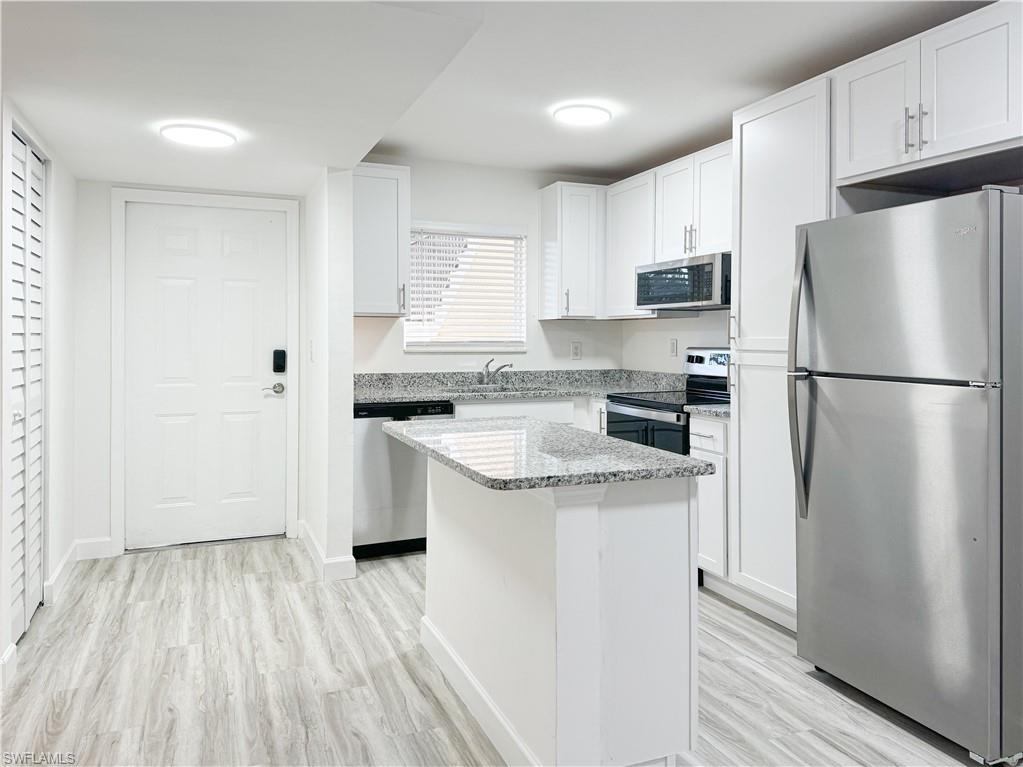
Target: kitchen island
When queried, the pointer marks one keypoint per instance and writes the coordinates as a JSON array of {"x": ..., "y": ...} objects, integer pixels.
[{"x": 561, "y": 587}]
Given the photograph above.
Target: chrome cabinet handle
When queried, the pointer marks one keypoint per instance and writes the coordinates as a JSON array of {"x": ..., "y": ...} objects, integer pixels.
[
  {"x": 685, "y": 239},
  {"x": 692, "y": 238},
  {"x": 920, "y": 124},
  {"x": 905, "y": 130},
  {"x": 697, "y": 434},
  {"x": 566, "y": 302},
  {"x": 277, "y": 388},
  {"x": 401, "y": 298},
  {"x": 602, "y": 423}
]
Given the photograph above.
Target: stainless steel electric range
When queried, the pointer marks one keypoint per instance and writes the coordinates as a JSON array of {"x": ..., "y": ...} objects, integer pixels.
[{"x": 658, "y": 418}]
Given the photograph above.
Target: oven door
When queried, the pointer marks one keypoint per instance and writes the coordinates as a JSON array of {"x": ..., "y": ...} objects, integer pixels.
[
  {"x": 687, "y": 283},
  {"x": 654, "y": 428}
]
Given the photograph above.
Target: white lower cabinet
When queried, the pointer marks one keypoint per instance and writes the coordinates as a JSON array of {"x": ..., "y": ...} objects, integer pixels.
[
  {"x": 711, "y": 495},
  {"x": 598, "y": 416},
  {"x": 558, "y": 411}
]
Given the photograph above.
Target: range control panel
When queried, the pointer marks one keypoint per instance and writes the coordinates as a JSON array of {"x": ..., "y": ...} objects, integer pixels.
[{"x": 707, "y": 361}]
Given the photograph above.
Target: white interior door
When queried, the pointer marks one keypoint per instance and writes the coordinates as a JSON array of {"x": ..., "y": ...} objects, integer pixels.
[
  {"x": 205, "y": 438},
  {"x": 23, "y": 398}
]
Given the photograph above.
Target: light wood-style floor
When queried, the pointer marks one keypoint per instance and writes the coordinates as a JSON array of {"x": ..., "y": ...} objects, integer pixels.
[{"x": 234, "y": 654}]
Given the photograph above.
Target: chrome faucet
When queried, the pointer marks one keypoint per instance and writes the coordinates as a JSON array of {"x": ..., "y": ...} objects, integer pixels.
[{"x": 489, "y": 375}]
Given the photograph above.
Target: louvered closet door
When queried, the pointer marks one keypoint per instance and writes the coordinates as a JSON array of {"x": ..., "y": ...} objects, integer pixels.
[{"x": 24, "y": 395}]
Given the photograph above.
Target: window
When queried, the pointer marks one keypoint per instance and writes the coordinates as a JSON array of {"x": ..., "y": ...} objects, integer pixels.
[{"x": 467, "y": 292}]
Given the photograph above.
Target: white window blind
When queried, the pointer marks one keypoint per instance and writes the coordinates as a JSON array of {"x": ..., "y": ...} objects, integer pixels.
[{"x": 467, "y": 292}]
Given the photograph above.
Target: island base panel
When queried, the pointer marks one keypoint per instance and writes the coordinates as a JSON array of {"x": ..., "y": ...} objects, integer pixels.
[{"x": 565, "y": 618}]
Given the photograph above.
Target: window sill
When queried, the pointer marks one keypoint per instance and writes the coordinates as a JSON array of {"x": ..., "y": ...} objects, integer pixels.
[{"x": 464, "y": 349}]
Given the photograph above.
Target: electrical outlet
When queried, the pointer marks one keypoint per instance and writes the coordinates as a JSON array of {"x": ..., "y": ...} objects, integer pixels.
[
  {"x": 673, "y": 347},
  {"x": 577, "y": 350}
]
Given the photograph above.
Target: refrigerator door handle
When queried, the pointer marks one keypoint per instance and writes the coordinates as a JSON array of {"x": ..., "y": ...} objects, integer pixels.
[
  {"x": 796, "y": 373},
  {"x": 797, "y": 454},
  {"x": 802, "y": 246}
]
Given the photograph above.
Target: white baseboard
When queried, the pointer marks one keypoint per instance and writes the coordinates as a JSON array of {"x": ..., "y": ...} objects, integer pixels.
[
  {"x": 332, "y": 569},
  {"x": 752, "y": 602},
  {"x": 8, "y": 665},
  {"x": 53, "y": 587},
  {"x": 493, "y": 721},
  {"x": 96, "y": 548}
]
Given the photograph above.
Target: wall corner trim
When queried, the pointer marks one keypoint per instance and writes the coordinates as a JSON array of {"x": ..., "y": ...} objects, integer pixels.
[
  {"x": 329, "y": 569},
  {"x": 8, "y": 665},
  {"x": 53, "y": 587}
]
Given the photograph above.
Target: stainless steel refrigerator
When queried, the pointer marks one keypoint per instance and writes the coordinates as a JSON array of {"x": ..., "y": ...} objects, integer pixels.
[{"x": 906, "y": 414}]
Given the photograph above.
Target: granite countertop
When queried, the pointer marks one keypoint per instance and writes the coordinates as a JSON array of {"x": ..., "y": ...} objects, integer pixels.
[
  {"x": 525, "y": 384},
  {"x": 527, "y": 453},
  {"x": 711, "y": 411}
]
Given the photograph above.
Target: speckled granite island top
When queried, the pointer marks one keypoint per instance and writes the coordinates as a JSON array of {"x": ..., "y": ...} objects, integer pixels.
[{"x": 527, "y": 453}]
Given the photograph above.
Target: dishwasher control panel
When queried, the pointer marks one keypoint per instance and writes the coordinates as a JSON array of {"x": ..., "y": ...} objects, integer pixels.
[{"x": 404, "y": 410}]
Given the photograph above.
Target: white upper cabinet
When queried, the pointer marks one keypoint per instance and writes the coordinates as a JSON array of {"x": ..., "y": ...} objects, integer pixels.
[
  {"x": 572, "y": 238},
  {"x": 381, "y": 210},
  {"x": 694, "y": 204},
  {"x": 782, "y": 147},
  {"x": 712, "y": 202},
  {"x": 630, "y": 241},
  {"x": 971, "y": 87},
  {"x": 957, "y": 87},
  {"x": 675, "y": 193},
  {"x": 876, "y": 109}
]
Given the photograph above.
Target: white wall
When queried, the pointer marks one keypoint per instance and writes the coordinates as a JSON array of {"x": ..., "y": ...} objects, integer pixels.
[
  {"x": 646, "y": 343},
  {"x": 325, "y": 475},
  {"x": 312, "y": 464},
  {"x": 59, "y": 341},
  {"x": 498, "y": 197},
  {"x": 92, "y": 370}
]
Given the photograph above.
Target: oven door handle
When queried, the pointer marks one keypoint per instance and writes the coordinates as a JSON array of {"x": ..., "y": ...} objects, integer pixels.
[{"x": 638, "y": 412}]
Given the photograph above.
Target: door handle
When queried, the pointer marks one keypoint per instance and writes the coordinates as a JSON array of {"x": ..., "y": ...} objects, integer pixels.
[
  {"x": 797, "y": 453},
  {"x": 797, "y": 373},
  {"x": 566, "y": 302},
  {"x": 401, "y": 298},
  {"x": 277, "y": 388},
  {"x": 920, "y": 125},
  {"x": 17, "y": 416},
  {"x": 905, "y": 130}
]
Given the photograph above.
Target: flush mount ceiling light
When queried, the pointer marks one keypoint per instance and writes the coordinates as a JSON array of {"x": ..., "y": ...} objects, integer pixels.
[
  {"x": 582, "y": 114},
  {"x": 197, "y": 135}
]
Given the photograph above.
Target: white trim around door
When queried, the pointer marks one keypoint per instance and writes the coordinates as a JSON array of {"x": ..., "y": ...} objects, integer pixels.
[{"x": 119, "y": 199}]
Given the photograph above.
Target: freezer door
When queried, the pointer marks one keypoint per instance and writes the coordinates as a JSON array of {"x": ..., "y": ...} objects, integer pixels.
[
  {"x": 898, "y": 555},
  {"x": 909, "y": 292}
]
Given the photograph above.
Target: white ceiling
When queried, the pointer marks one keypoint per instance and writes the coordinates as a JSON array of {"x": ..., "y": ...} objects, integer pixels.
[
  {"x": 675, "y": 71},
  {"x": 305, "y": 84}
]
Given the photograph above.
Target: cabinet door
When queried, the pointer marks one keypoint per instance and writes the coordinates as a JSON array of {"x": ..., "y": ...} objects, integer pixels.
[
  {"x": 876, "y": 104},
  {"x": 674, "y": 209},
  {"x": 761, "y": 495},
  {"x": 381, "y": 238},
  {"x": 581, "y": 223},
  {"x": 972, "y": 80},
  {"x": 710, "y": 502},
  {"x": 630, "y": 242},
  {"x": 781, "y": 181},
  {"x": 712, "y": 208}
]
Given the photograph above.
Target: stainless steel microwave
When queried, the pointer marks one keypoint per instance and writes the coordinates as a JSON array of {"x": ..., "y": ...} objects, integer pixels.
[{"x": 697, "y": 282}]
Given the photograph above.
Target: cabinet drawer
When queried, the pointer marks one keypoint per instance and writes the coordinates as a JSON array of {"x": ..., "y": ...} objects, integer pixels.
[
  {"x": 558, "y": 411},
  {"x": 708, "y": 434}
]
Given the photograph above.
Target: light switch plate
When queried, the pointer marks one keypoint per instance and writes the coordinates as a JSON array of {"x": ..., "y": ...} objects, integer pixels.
[
  {"x": 673, "y": 347},
  {"x": 577, "y": 350}
]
